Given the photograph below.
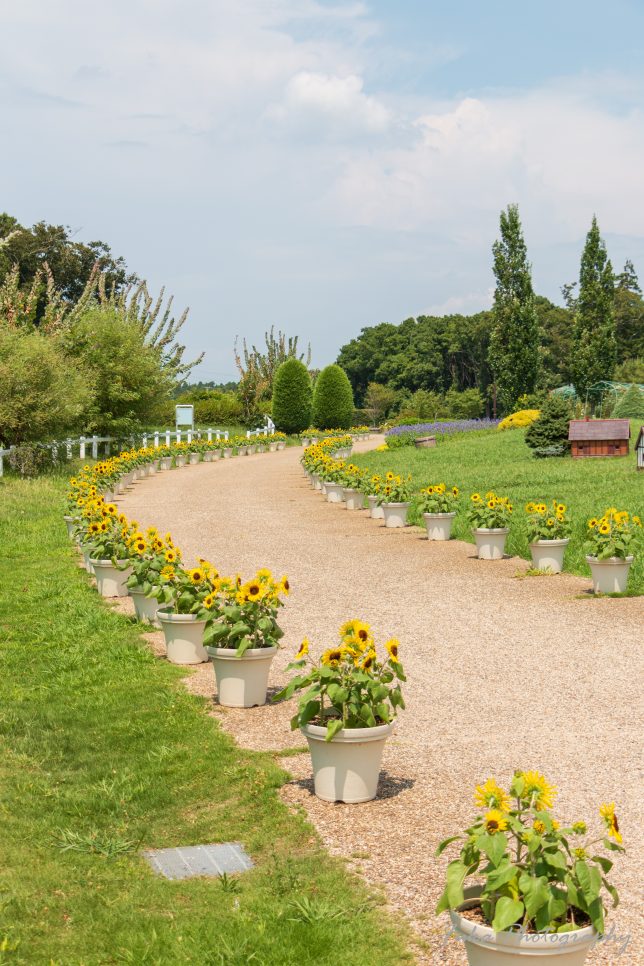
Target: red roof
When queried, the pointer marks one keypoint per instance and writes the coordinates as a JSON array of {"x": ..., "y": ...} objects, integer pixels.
[{"x": 599, "y": 429}]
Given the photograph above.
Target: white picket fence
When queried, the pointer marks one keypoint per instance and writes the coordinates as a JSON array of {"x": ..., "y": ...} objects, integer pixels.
[{"x": 90, "y": 446}]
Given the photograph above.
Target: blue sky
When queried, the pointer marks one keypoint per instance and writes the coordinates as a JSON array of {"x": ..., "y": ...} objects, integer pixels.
[{"x": 322, "y": 166}]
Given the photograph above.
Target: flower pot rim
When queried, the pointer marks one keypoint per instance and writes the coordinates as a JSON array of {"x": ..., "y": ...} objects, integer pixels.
[
  {"x": 517, "y": 943},
  {"x": 556, "y": 542},
  {"x": 349, "y": 735},
  {"x": 171, "y": 617},
  {"x": 396, "y": 505},
  {"x": 252, "y": 654},
  {"x": 491, "y": 530},
  {"x": 106, "y": 563},
  {"x": 610, "y": 561},
  {"x": 350, "y": 489},
  {"x": 433, "y": 516}
]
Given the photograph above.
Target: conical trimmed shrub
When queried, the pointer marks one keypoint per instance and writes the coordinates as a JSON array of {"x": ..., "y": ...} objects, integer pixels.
[
  {"x": 630, "y": 405},
  {"x": 292, "y": 394},
  {"x": 333, "y": 399}
]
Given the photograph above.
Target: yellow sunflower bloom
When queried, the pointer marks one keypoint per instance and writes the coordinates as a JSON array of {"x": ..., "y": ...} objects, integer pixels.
[
  {"x": 303, "y": 649},
  {"x": 491, "y": 795},
  {"x": 540, "y": 791},
  {"x": 607, "y": 812},
  {"x": 367, "y": 661},
  {"x": 196, "y": 575},
  {"x": 495, "y": 821},
  {"x": 333, "y": 656},
  {"x": 392, "y": 649}
]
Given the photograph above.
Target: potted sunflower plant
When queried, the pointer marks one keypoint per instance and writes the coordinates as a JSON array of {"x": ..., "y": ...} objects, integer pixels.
[
  {"x": 540, "y": 886},
  {"x": 188, "y": 599},
  {"x": 372, "y": 488},
  {"x": 243, "y": 637},
  {"x": 548, "y": 535},
  {"x": 150, "y": 553},
  {"x": 395, "y": 499},
  {"x": 438, "y": 504},
  {"x": 352, "y": 493},
  {"x": 346, "y": 712},
  {"x": 610, "y": 540},
  {"x": 332, "y": 474},
  {"x": 490, "y": 521},
  {"x": 109, "y": 551}
]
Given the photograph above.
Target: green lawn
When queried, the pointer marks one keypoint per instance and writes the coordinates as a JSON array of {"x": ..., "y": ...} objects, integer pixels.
[
  {"x": 501, "y": 461},
  {"x": 103, "y": 752}
]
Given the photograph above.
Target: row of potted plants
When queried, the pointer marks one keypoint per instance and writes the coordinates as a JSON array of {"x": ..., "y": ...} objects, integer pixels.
[
  {"x": 608, "y": 543},
  {"x": 540, "y": 887},
  {"x": 311, "y": 436}
]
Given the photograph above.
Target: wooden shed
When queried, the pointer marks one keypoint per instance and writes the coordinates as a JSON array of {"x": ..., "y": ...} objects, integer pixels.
[{"x": 599, "y": 437}]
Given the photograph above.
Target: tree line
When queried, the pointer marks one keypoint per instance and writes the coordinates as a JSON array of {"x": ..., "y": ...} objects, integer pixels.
[{"x": 523, "y": 346}]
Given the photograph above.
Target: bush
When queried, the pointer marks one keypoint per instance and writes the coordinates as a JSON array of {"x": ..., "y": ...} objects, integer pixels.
[
  {"x": 32, "y": 459},
  {"x": 292, "y": 397},
  {"x": 333, "y": 399},
  {"x": 127, "y": 376},
  {"x": 41, "y": 395},
  {"x": 467, "y": 404},
  {"x": 520, "y": 419},
  {"x": 551, "y": 428},
  {"x": 630, "y": 405}
]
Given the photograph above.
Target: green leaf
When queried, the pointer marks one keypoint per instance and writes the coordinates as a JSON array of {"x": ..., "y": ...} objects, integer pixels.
[
  {"x": 243, "y": 646},
  {"x": 456, "y": 872},
  {"x": 310, "y": 711},
  {"x": 612, "y": 891},
  {"x": 605, "y": 863},
  {"x": 443, "y": 903},
  {"x": 335, "y": 725},
  {"x": 535, "y": 893},
  {"x": 507, "y": 912},
  {"x": 589, "y": 879},
  {"x": 443, "y": 845},
  {"x": 500, "y": 876},
  {"x": 494, "y": 846}
]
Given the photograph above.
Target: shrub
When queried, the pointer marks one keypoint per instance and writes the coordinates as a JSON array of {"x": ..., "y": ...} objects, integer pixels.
[
  {"x": 630, "y": 405},
  {"x": 522, "y": 418},
  {"x": 467, "y": 404},
  {"x": 551, "y": 428},
  {"x": 333, "y": 399},
  {"x": 292, "y": 397},
  {"x": 41, "y": 395}
]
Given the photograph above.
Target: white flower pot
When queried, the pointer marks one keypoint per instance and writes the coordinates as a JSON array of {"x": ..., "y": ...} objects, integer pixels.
[
  {"x": 165, "y": 463},
  {"x": 208, "y": 455},
  {"x": 354, "y": 499},
  {"x": 610, "y": 576},
  {"x": 87, "y": 561},
  {"x": 548, "y": 554},
  {"x": 108, "y": 496},
  {"x": 110, "y": 581},
  {"x": 180, "y": 460},
  {"x": 281, "y": 445},
  {"x": 69, "y": 523},
  {"x": 334, "y": 493},
  {"x": 145, "y": 607},
  {"x": 490, "y": 544},
  {"x": 194, "y": 458},
  {"x": 439, "y": 525},
  {"x": 395, "y": 514},
  {"x": 241, "y": 681},
  {"x": 376, "y": 512},
  {"x": 251, "y": 449},
  {"x": 272, "y": 447},
  {"x": 306, "y": 442},
  {"x": 227, "y": 453},
  {"x": 342, "y": 454},
  {"x": 347, "y": 768},
  {"x": 261, "y": 449},
  {"x": 317, "y": 482},
  {"x": 183, "y": 637},
  {"x": 484, "y": 947}
]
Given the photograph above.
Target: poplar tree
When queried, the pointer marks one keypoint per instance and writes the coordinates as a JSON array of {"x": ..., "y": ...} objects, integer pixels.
[
  {"x": 594, "y": 344},
  {"x": 514, "y": 343}
]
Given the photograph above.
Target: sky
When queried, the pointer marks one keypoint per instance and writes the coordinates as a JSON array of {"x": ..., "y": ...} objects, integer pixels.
[{"x": 324, "y": 166}]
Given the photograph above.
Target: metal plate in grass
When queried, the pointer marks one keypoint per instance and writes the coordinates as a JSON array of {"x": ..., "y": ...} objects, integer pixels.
[{"x": 191, "y": 860}]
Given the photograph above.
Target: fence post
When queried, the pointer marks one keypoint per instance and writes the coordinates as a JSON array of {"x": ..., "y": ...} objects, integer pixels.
[
  {"x": 167, "y": 437},
  {"x": 68, "y": 447},
  {"x": 94, "y": 447},
  {"x": 144, "y": 441},
  {"x": 81, "y": 447},
  {"x": 107, "y": 447},
  {"x": 189, "y": 436},
  {"x": 226, "y": 435},
  {"x": 178, "y": 435},
  {"x": 156, "y": 440},
  {"x": 1, "y": 462},
  {"x": 209, "y": 435}
]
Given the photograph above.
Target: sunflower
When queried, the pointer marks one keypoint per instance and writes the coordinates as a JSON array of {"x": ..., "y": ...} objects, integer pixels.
[
  {"x": 579, "y": 828},
  {"x": 284, "y": 587},
  {"x": 490, "y": 504},
  {"x": 167, "y": 573},
  {"x": 333, "y": 656},
  {"x": 538, "y": 789},
  {"x": 538, "y": 826},
  {"x": 103, "y": 526},
  {"x": 94, "y": 527},
  {"x": 607, "y": 812},
  {"x": 367, "y": 661},
  {"x": 604, "y": 528},
  {"x": 491, "y": 795},
  {"x": 550, "y": 522},
  {"x": 140, "y": 546},
  {"x": 560, "y": 507},
  {"x": 253, "y": 591},
  {"x": 495, "y": 821},
  {"x": 196, "y": 575},
  {"x": 455, "y": 491},
  {"x": 209, "y": 600},
  {"x": 392, "y": 650},
  {"x": 592, "y": 524},
  {"x": 303, "y": 649},
  {"x": 264, "y": 574},
  {"x": 390, "y": 476},
  {"x": 476, "y": 498}
]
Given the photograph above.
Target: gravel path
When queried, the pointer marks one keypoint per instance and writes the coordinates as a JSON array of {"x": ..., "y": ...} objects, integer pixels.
[{"x": 503, "y": 673}]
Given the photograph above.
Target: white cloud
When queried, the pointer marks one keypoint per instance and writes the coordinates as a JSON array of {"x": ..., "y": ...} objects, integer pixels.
[{"x": 322, "y": 104}]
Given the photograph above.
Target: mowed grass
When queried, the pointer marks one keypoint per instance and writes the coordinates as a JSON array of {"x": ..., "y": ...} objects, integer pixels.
[
  {"x": 103, "y": 752},
  {"x": 501, "y": 461}
]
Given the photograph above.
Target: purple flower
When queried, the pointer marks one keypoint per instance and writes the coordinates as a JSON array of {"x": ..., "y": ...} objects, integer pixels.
[{"x": 444, "y": 428}]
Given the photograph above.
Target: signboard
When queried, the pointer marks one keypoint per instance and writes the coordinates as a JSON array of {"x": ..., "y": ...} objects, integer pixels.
[{"x": 185, "y": 416}]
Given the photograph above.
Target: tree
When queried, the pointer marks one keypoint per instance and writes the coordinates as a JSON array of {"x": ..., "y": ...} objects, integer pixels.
[
  {"x": 378, "y": 401},
  {"x": 332, "y": 399},
  {"x": 630, "y": 405},
  {"x": 71, "y": 262},
  {"x": 42, "y": 397},
  {"x": 257, "y": 368},
  {"x": 292, "y": 397},
  {"x": 629, "y": 315},
  {"x": 630, "y": 371},
  {"x": 514, "y": 343},
  {"x": 548, "y": 435},
  {"x": 594, "y": 344},
  {"x": 128, "y": 379}
]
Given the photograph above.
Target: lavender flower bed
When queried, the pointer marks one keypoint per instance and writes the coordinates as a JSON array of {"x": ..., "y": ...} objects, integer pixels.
[{"x": 444, "y": 429}]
